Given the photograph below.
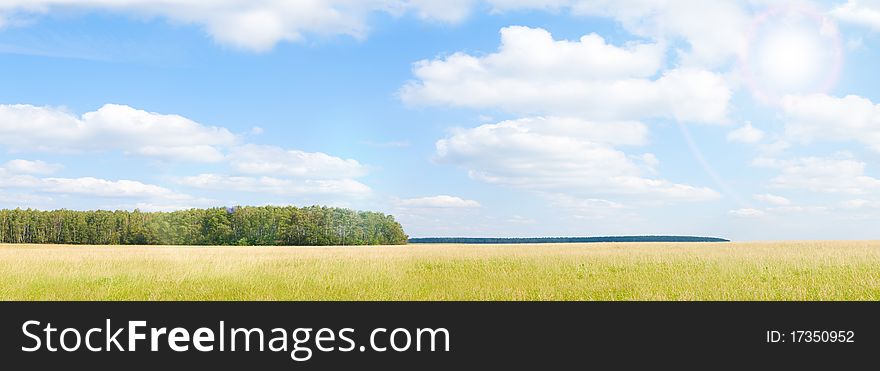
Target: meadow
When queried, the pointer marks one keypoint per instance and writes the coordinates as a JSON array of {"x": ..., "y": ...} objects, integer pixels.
[{"x": 619, "y": 271}]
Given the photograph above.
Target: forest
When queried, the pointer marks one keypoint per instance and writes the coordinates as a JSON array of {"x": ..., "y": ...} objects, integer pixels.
[{"x": 260, "y": 226}]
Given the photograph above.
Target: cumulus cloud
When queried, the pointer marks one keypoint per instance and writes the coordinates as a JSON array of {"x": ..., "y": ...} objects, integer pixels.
[
  {"x": 567, "y": 156},
  {"x": 438, "y": 202},
  {"x": 842, "y": 174},
  {"x": 823, "y": 117},
  {"x": 107, "y": 188},
  {"x": 437, "y": 10},
  {"x": 532, "y": 73},
  {"x": 276, "y": 161},
  {"x": 129, "y": 191},
  {"x": 277, "y": 186},
  {"x": 746, "y": 134},
  {"x": 586, "y": 207},
  {"x": 14, "y": 200},
  {"x": 27, "y": 128},
  {"x": 274, "y": 170},
  {"x": 268, "y": 169},
  {"x": 713, "y": 31},
  {"x": 773, "y": 199},
  {"x": 747, "y": 213},
  {"x": 862, "y": 12},
  {"x": 786, "y": 211},
  {"x": 29, "y": 167},
  {"x": 255, "y": 25},
  {"x": 859, "y": 204},
  {"x": 92, "y": 187}
]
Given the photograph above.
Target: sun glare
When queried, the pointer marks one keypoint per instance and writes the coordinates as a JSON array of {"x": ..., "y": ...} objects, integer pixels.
[
  {"x": 792, "y": 51},
  {"x": 790, "y": 60}
]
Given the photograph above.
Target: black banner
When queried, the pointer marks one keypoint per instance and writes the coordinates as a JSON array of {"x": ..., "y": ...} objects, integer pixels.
[{"x": 435, "y": 335}]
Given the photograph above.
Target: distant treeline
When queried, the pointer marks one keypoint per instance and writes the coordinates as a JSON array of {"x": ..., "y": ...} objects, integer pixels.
[
  {"x": 470, "y": 240},
  {"x": 268, "y": 225}
]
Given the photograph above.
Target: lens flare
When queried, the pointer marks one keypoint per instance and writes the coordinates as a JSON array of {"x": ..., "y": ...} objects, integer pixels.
[
  {"x": 791, "y": 50},
  {"x": 790, "y": 59}
]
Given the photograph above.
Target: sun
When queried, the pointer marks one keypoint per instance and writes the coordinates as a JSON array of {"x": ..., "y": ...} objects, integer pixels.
[
  {"x": 790, "y": 60},
  {"x": 791, "y": 51}
]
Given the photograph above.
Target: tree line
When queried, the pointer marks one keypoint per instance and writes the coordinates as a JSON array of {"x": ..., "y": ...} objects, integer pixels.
[
  {"x": 261, "y": 226},
  {"x": 479, "y": 240}
]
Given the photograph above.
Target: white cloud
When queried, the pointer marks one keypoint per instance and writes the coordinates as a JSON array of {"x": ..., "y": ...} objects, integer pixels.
[
  {"x": 276, "y": 161},
  {"x": 859, "y": 204},
  {"x": 521, "y": 220},
  {"x": 93, "y": 188},
  {"x": 787, "y": 211},
  {"x": 8, "y": 180},
  {"x": 29, "y": 167},
  {"x": 27, "y": 128},
  {"x": 799, "y": 209},
  {"x": 278, "y": 171},
  {"x": 631, "y": 133},
  {"x": 747, "y": 213},
  {"x": 255, "y": 25},
  {"x": 439, "y": 202},
  {"x": 440, "y": 10},
  {"x": 861, "y": 12},
  {"x": 565, "y": 156},
  {"x": 715, "y": 31},
  {"x": 746, "y": 134},
  {"x": 107, "y": 188},
  {"x": 14, "y": 200},
  {"x": 533, "y": 53},
  {"x": 830, "y": 175},
  {"x": 775, "y": 147},
  {"x": 773, "y": 199},
  {"x": 584, "y": 204},
  {"x": 585, "y": 207},
  {"x": 855, "y": 204},
  {"x": 822, "y": 117},
  {"x": 532, "y": 73},
  {"x": 712, "y": 30},
  {"x": 277, "y": 186}
]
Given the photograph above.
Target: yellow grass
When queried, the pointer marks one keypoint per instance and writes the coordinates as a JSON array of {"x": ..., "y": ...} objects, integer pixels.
[{"x": 626, "y": 271}]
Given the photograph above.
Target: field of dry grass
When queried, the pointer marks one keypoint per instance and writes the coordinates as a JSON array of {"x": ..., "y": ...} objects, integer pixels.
[{"x": 625, "y": 271}]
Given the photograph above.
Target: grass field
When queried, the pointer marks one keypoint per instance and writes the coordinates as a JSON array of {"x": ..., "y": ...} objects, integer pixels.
[{"x": 728, "y": 271}]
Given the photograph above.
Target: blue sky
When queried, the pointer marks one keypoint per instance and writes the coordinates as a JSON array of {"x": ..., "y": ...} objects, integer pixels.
[{"x": 749, "y": 120}]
